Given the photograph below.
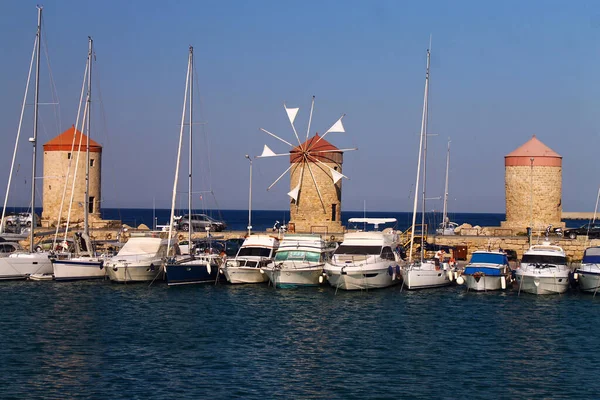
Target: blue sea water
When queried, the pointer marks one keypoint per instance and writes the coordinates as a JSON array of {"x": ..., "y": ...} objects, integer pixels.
[{"x": 99, "y": 340}]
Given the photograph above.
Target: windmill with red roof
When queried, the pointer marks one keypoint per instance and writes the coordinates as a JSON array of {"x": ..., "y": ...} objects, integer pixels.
[{"x": 315, "y": 177}]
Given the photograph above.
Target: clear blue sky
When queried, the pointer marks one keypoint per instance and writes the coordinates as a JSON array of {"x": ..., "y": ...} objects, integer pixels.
[{"x": 501, "y": 71}]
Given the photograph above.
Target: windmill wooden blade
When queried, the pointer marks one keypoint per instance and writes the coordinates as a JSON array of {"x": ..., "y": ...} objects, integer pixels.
[
  {"x": 280, "y": 176},
  {"x": 316, "y": 186},
  {"x": 291, "y": 113},
  {"x": 276, "y": 137}
]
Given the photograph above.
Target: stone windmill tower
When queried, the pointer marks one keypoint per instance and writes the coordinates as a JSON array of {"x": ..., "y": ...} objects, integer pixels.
[
  {"x": 533, "y": 185},
  {"x": 57, "y": 156},
  {"x": 315, "y": 179}
]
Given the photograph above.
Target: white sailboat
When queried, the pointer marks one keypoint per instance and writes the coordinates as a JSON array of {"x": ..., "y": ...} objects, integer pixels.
[
  {"x": 194, "y": 268},
  {"x": 84, "y": 264},
  {"x": 422, "y": 273},
  {"x": 21, "y": 265},
  {"x": 446, "y": 227}
]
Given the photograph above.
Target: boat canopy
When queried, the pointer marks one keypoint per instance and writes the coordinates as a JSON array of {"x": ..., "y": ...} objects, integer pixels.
[
  {"x": 489, "y": 258},
  {"x": 591, "y": 256}
]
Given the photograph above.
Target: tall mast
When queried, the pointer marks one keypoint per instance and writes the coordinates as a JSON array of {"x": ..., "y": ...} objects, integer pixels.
[
  {"x": 33, "y": 140},
  {"x": 426, "y": 114},
  {"x": 445, "y": 212},
  {"x": 86, "y": 206},
  {"x": 422, "y": 136},
  {"x": 191, "y": 74}
]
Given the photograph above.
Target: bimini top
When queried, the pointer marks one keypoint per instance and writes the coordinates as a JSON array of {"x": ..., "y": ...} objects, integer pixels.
[
  {"x": 591, "y": 255},
  {"x": 374, "y": 221},
  {"x": 302, "y": 241},
  {"x": 489, "y": 257},
  {"x": 541, "y": 154},
  {"x": 546, "y": 249},
  {"x": 64, "y": 142},
  {"x": 370, "y": 239},
  {"x": 261, "y": 241},
  {"x": 142, "y": 246}
]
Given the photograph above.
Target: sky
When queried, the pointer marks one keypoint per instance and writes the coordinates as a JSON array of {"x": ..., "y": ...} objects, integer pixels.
[{"x": 500, "y": 72}]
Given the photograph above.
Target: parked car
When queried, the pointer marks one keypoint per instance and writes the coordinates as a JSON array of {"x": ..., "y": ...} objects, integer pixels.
[
  {"x": 592, "y": 230},
  {"x": 46, "y": 244},
  {"x": 21, "y": 219},
  {"x": 200, "y": 222}
]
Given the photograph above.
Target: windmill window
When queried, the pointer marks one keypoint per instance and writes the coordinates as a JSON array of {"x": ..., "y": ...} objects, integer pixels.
[
  {"x": 333, "y": 211},
  {"x": 91, "y": 162},
  {"x": 68, "y": 156},
  {"x": 91, "y": 204}
]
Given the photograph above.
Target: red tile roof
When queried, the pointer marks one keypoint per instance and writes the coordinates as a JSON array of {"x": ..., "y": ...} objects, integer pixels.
[
  {"x": 541, "y": 154},
  {"x": 64, "y": 142},
  {"x": 316, "y": 147}
]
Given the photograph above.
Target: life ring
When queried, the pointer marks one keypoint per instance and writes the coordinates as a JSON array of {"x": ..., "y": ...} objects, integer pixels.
[
  {"x": 109, "y": 236},
  {"x": 332, "y": 238},
  {"x": 180, "y": 236}
]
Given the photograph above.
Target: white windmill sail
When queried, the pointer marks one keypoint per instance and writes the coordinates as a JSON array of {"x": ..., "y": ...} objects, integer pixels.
[
  {"x": 337, "y": 127},
  {"x": 267, "y": 152},
  {"x": 294, "y": 192},
  {"x": 291, "y": 113},
  {"x": 336, "y": 175}
]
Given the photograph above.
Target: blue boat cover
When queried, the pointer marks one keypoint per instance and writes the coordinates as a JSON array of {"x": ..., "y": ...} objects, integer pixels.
[
  {"x": 489, "y": 258},
  {"x": 591, "y": 256},
  {"x": 489, "y": 271}
]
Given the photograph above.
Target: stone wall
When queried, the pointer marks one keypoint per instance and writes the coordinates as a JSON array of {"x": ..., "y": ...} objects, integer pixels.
[
  {"x": 56, "y": 164},
  {"x": 309, "y": 214},
  {"x": 544, "y": 185},
  {"x": 573, "y": 248}
]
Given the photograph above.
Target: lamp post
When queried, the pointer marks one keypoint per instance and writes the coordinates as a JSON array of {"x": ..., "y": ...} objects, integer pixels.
[
  {"x": 250, "y": 198},
  {"x": 531, "y": 200}
]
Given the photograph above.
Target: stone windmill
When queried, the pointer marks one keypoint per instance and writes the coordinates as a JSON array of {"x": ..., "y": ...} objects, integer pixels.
[{"x": 315, "y": 177}]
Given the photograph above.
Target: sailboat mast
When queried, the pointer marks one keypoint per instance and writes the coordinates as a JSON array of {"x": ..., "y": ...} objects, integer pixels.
[
  {"x": 422, "y": 135},
  {"x": 445, "y": 212},
  {"x": 33, "y": 140},
  {"x": 86, "y": 205},
  {"x": 426, "y": 114},
  {"x": 191, "y": 75}
]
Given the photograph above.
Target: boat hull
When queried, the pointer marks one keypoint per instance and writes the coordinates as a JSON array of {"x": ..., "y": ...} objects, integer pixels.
[
  {"x": 483, "y": 283},
  {"x": 589, "y": 281},
  {"x": 22, "y": 265},
  {"x": 69, "y": 270},
  {"x": 543, "y": 284},
  {"x": 192, "y": 272},
  {"x": 293, "y": 277},
  {"x": 358, "y": 278},
  {"x": 237, "y": 275},
  {"x": 135, "y": 273},
  {"x": 415, "y": 278}
]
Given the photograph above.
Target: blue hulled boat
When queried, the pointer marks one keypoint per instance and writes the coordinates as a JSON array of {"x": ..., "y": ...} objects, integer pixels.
[{"x": 487, "y": 270}]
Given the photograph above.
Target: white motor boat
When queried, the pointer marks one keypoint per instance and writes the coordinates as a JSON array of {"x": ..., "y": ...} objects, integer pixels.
[
  {"x": 365, "y": 260},
  {"x": 299, "y": 261},
  {"x": 256, "y": 252},
  {"x": 140, "y": 259},
  {"x": 487, "y": 270},
  {"x": 543, "y": 270},
  {"x": 588, "y": 274}
]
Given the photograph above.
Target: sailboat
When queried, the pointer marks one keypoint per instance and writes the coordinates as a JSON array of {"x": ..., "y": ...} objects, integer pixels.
[
  {"x": 422, "y": 273},
  {"x": 84, "y": 264},
  {"x": 195, "y": 268},
  {"x": 446, "y": 227},
  {"x": 21, "y": 265}
]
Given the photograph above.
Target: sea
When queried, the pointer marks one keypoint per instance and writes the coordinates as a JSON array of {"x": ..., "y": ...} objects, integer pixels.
[{"x": 102, "y": 340}]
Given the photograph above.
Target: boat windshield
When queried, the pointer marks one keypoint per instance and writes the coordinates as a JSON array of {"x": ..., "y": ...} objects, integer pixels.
[
  {"x": 361, "y": 250},
  {"x": 297, "y": 256},
  {"x": 254, "y": 252},
  {"x": 489, "y": 258},
  {"x": 544, "y": 259}
]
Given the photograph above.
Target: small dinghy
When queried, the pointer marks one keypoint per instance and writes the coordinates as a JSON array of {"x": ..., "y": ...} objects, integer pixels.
[{"x": 41, "y": 277}]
